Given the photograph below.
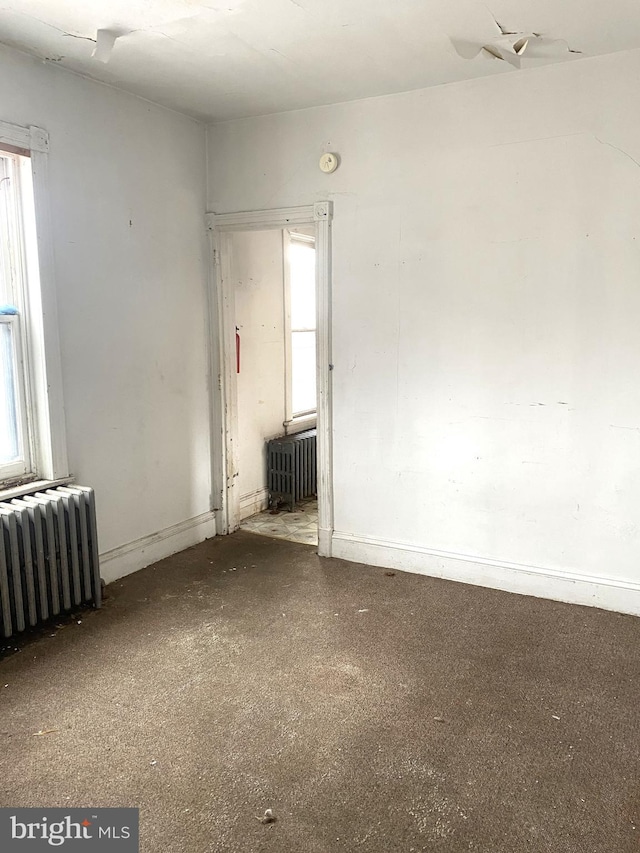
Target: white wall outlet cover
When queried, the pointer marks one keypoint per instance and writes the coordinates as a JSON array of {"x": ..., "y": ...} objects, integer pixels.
[{"x": 329, "y": 162}]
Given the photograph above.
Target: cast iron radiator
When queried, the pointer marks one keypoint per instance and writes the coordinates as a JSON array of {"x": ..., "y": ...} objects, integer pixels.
[
  {"x": 291, "y": 468},
  {"x": 48, "y": 556}
]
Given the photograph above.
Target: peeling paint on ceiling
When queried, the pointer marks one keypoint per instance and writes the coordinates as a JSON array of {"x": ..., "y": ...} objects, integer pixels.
[{"x": 223, "y": 59}]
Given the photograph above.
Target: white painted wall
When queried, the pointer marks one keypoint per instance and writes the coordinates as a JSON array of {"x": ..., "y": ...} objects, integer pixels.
[
  {"x": 127, "y": 202},
  {"x": 257, "y": 272},
  {"x": 486, "y": 309}
]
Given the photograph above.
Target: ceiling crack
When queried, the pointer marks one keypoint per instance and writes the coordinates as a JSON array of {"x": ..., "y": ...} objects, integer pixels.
[
  {"x": 82, "y": 38},
  {"x": 504, "y": 31},
  {"x": 615, "y": 147},
  {"x": 171, "y": 38}
]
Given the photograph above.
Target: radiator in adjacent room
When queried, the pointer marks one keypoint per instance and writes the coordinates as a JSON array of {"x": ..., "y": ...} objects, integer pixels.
[
  {"x": 291, "y": 468},
  {"x": 48, "y": 556}
]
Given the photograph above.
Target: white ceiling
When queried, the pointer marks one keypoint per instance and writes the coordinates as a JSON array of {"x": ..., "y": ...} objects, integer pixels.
[{"x": 222, "y": 59}]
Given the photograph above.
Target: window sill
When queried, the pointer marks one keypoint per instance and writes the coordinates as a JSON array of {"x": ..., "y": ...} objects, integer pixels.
[
  {"x": 300, "y": 424},
  {"x": 30, "y": 488}
]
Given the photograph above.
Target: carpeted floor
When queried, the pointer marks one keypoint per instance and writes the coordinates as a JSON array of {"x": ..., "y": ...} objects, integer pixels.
[{"x": 371, "y": 712}]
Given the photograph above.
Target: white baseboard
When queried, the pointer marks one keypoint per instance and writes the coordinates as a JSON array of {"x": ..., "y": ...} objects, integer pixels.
[
  {"x": 253, "y": 502},
  {"x": 324, "y": 542},
  {"x": 572, "y": 587},
  {"x": 142, "y": 552}
]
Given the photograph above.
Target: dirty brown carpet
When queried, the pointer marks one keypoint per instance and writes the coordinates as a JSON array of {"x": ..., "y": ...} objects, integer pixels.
[{"x": 371, "y": 711}]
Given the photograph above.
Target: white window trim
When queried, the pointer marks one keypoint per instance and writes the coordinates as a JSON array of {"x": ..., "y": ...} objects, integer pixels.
[
  {"x": 304, "y": 420},
  {"x": 300, "y": 424},
  {"x": 42, "y": 349},
  {"x": 22, "y": 468}
]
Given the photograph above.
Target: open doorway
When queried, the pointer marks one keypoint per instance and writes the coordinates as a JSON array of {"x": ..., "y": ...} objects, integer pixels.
[
  {"x": 273, "y": 275},
  {"x": 272, "y": 309}
]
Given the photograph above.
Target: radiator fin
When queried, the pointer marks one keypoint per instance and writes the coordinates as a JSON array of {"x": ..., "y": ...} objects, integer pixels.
[
  {"x": 291, "y": 467},
  {"x": 48, "y": 556}
]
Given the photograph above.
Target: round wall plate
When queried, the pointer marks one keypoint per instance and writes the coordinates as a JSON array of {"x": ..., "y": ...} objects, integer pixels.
[{"x": 329, "y": 162}]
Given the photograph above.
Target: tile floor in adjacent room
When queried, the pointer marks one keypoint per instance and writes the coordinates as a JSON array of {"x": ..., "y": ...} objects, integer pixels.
[{"x": 301, "y": 525}]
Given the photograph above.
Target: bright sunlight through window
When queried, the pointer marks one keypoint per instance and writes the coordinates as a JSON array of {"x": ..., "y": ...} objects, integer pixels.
[
  {"x": 14, "y": 433},
  {"x": 302, "y": 278}
]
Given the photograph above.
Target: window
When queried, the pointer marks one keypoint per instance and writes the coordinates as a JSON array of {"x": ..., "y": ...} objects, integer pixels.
[
  {"x": 301, "y": 329},
  {"x": 15, "y": 427},
  {"x": 32, "y": 433}
]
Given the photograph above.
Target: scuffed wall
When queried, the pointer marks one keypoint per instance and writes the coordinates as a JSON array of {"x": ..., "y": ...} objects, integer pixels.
[
  {"x": 127, "y": 201},
  {"x": 486, "y": 304}
]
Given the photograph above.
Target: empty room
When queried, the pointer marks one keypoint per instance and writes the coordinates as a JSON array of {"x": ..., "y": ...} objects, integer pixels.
[{"x": 319, "y": 426}]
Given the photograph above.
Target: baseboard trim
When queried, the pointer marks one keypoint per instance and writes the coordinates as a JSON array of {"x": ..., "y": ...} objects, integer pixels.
[
  {"x": 325, "y": 540},
  {"x": 572, "y": 587},
  {"x": 253, "y": 503},
  {"x": 135, "y": 555}
]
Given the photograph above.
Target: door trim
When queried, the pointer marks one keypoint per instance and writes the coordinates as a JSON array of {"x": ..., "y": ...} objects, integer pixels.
[{"x": 223, "y": 386}]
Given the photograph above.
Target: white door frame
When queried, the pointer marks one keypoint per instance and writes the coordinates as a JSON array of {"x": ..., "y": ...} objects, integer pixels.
[{"x": 224, "y": 399}]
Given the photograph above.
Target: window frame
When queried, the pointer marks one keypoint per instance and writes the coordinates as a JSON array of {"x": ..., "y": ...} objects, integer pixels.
[
  {"x": 37, "y": 339},
  {"x": 21, "y": 468},
  {"x": 15, "y": 270},
  {"x": 301, "y": 420}
]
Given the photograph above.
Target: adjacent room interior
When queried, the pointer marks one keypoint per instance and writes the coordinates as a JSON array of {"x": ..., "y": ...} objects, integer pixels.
[
  {"x": 319, "y": 429},
  {"x": 273, "y": 276}
]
